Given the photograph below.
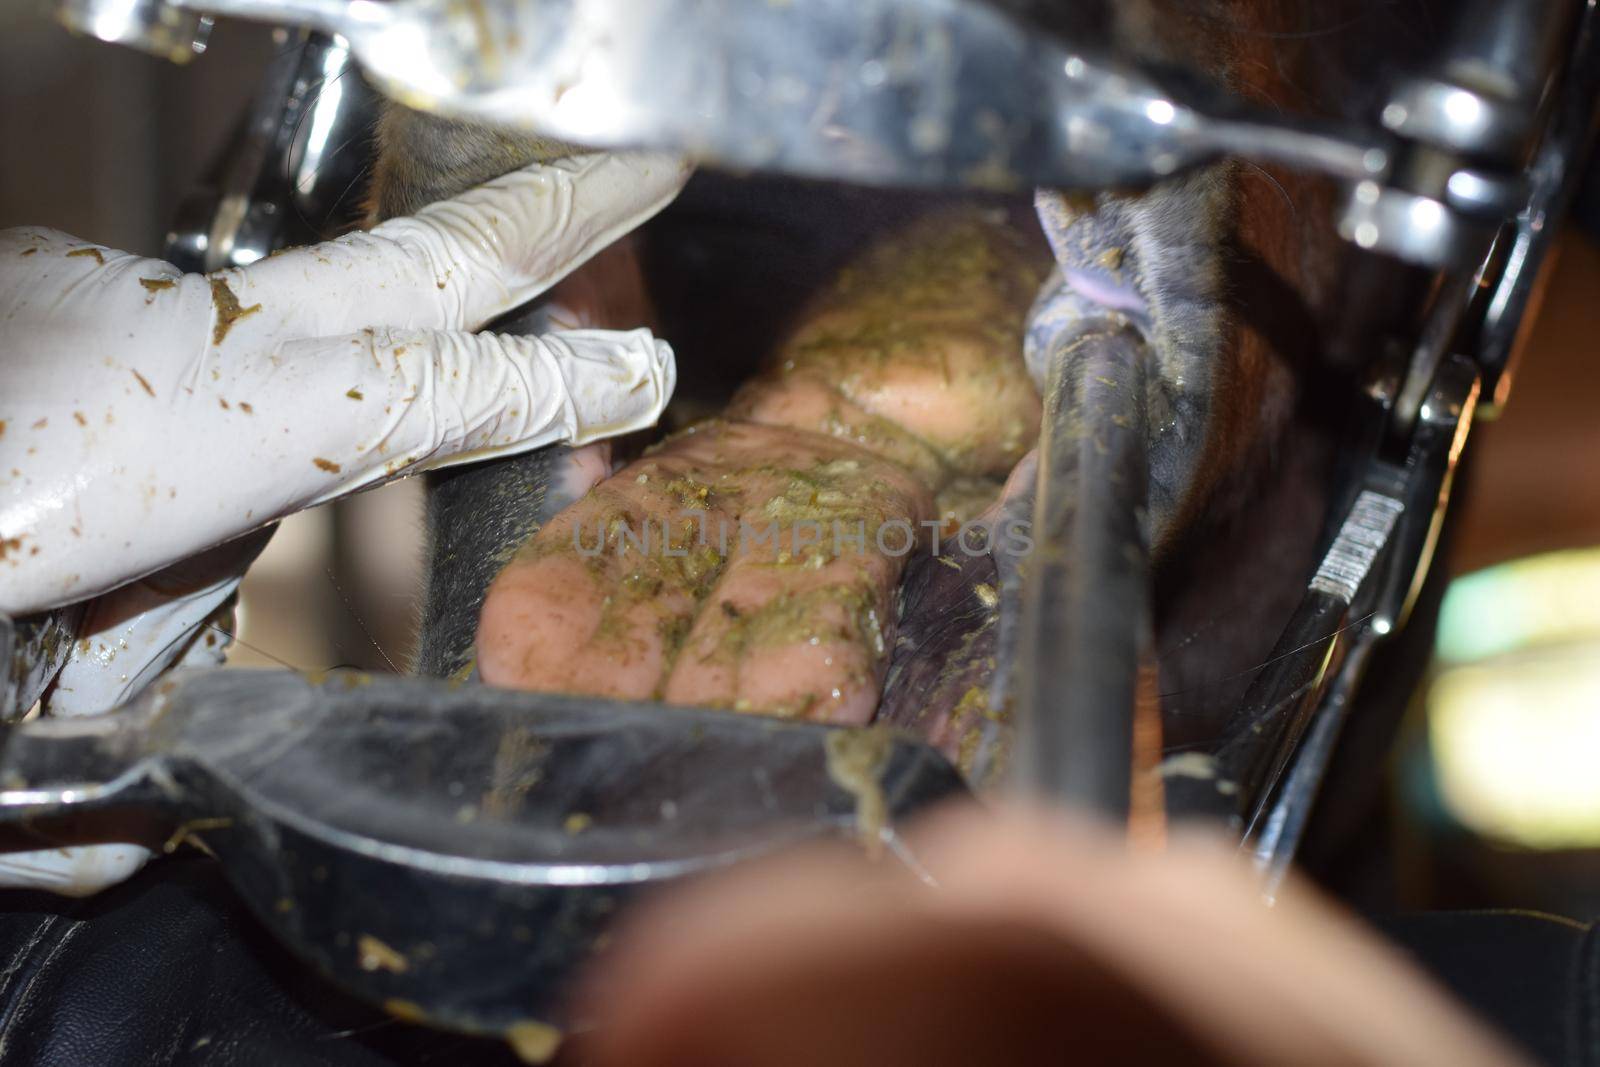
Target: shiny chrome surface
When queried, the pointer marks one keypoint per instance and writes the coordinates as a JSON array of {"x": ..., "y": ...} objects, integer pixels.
[
  {"x": 1456, "y": 117},
  {"x": 1284, "y": 826},
  {"x": 1413, "y": 227},
  {"x": 933, "y": 93},
  {"x": 1505, "y": 50},
  {"x": 904, "y": 92},
  {"x": 1361, "y": 591},
  {"x": 1481, "y": 99},
  {"x": 153, "y": 26},
  {"x": 1086, "y": 617},
  {"x": 1379, "y": 600},
  {"x": 297, "y": 156},
  {"x": 488, "y": 836},
  {"x": 1553, "y": 178}
]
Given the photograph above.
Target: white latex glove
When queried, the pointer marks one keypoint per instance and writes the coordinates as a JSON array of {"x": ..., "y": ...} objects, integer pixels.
[{"x": 146, "y": 415}]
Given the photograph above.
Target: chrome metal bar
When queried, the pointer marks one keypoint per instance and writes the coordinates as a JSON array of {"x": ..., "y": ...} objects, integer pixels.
[
  {"x": 1086, "y": 610},
  {"x": 325, "y": 15},
  {"x": 1285, "y": 825},
  {"x": 1252, "y": 755},
  {"x": 1509, "y": 47},
  {"x": 891, "y": 92},
  {"x": 1365, "y": 584},
  {"x": 296, "y": 161},
  {"x": 1553, "y": 176}
]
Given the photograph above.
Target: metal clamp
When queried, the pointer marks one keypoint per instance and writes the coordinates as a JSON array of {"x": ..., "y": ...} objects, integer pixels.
[
  {"x": 282, "y": 179},
  {"x": 1464, "y": 132}
]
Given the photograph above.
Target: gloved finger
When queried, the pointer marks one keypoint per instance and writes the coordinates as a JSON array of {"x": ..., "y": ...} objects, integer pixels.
[
  {"x": 457, "y": 263},
  {"x": 73, "y": 871},
  {"x": 132, "y": 635},
  {"x": 73, "y": 309},
  {"x": 252, "y": 442},
  {"x": 427, "y": 399}
]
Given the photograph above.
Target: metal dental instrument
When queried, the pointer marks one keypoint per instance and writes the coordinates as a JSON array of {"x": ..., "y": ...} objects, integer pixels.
[
  {"x": 292, "y": 172},
  {"x": 1510, "y": 61},
  {"x": 1262, "y": 774},
  {"x": 1086, "y": 613},
  {"x": 1361, "y": 591},
  {"x": 892, "y": 92},
  {"x": 456, "y": 851}
]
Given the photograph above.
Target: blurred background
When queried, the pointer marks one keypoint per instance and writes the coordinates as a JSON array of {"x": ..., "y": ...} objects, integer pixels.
[{"x": 1493, "y": 795}]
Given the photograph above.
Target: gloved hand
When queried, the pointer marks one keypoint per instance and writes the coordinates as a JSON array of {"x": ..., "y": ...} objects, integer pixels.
[{"x": 149, "y": 418}]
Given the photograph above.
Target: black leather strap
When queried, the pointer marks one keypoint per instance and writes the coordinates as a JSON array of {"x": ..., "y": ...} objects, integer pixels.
[
  {"x": 168, "y": 968},
  {"x": 1537, "y": 977}
]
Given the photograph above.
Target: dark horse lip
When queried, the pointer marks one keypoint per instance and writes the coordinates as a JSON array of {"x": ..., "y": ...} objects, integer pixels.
[
  {"x": 943, "y": 662},
  {"x": 956, "y": 607}
]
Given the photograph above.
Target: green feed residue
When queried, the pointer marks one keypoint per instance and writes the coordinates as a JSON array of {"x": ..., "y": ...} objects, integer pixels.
[
  {"x": 534, "y": 1042},
  {"x": 856, "y": 760},
  {"x": 226, "y": 305}
]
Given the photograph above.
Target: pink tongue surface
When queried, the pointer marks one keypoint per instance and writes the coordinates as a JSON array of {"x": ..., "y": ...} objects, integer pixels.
[{"x": 1108, "y": 293}]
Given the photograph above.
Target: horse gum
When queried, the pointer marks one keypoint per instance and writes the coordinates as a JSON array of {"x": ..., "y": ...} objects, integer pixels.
[{"x": 855, "y": 761}]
